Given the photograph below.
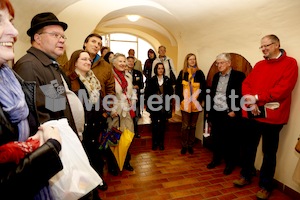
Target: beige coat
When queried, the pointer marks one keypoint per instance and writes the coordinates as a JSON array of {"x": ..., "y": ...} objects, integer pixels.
[{"x": 121, "y": 105}]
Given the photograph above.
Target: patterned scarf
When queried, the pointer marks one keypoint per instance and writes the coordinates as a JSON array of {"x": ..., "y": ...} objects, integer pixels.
[
  {"x": 92, "y": 85},
  {"x": 192, "y": 73},
  {"x": 12, "y": 100},
  {"x": 121, "y": 76}
]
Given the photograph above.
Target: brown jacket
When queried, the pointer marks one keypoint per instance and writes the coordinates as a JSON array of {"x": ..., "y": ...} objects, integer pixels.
[{"x": 103, "y": 71}]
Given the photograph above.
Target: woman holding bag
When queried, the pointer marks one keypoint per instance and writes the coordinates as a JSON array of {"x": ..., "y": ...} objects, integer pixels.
[
  {"x": 125, "y": 100},
  {"x": 26, "y": 163}
]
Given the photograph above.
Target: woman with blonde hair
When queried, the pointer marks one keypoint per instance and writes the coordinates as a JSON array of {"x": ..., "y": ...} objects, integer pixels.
[{"x": 190, "y": 87}]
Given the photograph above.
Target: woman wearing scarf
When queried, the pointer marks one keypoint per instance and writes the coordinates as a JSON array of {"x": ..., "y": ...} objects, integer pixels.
[
  {"x": 158, "y": 88},
  {"x": 85, "y": 84},
  {"x": 125, "y": 100},
  {"x": 26, "y": 164},
  {"x": 190, "y": 87}
]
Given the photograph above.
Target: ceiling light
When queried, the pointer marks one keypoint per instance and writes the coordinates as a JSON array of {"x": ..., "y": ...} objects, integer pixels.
[{"x": 133, "y": 18}]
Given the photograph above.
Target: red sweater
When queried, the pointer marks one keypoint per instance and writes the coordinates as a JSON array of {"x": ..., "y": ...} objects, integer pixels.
[{"x": 273, "y": 81}]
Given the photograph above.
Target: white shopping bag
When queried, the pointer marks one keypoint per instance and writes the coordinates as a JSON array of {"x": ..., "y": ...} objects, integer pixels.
[{"x": 77, "y": 177}]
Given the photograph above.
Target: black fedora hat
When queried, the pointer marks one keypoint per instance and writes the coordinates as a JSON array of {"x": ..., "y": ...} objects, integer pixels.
[{"x": 44, "y": 19}]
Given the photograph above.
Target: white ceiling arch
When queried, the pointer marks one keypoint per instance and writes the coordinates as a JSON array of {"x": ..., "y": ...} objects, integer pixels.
[
  {"x": 117, "y": 20},
  {"x": 91, "y": 16}
]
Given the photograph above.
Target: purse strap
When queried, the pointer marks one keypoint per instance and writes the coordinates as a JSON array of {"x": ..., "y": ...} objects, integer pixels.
[{"x": 171, "y": 71}]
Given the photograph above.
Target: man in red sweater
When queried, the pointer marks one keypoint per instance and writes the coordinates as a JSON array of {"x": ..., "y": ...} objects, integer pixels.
[{"x": 267, "y": 92}]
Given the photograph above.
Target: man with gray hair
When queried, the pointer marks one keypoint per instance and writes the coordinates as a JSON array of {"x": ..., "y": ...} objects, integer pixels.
[{"x": 225, "y": 113}]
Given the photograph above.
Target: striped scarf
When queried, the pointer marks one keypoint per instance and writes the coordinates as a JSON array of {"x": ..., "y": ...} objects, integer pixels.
[{"x": 12, "y": 100}]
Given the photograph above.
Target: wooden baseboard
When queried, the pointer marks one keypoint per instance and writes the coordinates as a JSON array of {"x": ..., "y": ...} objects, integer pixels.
[{"x": 287, "y": 190}]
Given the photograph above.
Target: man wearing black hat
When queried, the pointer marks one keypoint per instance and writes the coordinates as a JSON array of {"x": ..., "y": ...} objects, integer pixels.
[{"x": 39, "y": 65}]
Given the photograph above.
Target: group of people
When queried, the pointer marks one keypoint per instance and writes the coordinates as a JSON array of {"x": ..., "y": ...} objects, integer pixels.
[
  {"x": 243, "y": 109},
  {"x": 164, "y": 89},
  {"x": 25, "y": 106},
  {"x": 266, "y": 93},
  {"x": 240, "y": 109}
]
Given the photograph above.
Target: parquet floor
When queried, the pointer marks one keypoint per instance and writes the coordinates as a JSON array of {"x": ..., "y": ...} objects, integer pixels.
[{"x": 163, "y": 175}]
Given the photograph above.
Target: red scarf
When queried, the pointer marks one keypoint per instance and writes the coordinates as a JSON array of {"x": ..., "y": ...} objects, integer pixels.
[{"x": 121, "y": 76}]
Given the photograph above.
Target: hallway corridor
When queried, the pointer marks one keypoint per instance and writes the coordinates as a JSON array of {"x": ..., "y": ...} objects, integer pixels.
[{"x": 163, "y": 175}]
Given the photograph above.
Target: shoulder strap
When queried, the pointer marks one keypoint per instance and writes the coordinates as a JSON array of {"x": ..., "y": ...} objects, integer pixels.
[
  {"x": 170, "y": 65},
  {"x": 122, "y": 90}
]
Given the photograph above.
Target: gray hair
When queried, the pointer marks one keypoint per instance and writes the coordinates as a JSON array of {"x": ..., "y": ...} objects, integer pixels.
[
  {"x": 116, "y": 56},
  {"x": 224, "y": 56}
]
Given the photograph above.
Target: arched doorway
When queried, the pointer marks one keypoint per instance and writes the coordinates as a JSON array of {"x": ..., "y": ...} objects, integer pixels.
[{"x": 238, "y": 63}]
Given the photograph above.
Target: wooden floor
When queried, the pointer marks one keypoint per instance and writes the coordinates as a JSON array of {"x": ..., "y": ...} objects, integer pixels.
[{"x": 163, "y": 175}]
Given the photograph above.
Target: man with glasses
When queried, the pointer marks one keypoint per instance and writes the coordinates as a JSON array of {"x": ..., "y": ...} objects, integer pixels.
[
  {"x": 269, "y": 93},
  {"x": 225, "y": 113},
  {"x": 40, "y": 65}
]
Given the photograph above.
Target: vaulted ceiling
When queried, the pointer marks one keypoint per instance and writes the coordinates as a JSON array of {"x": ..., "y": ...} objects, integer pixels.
[
  {"x": 200, "y": 25},
  {"x": 169, "y": 18}
]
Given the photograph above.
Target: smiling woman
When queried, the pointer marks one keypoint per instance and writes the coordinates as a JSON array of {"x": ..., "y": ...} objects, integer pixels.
[
  {"x": 22, "y": 158},
  {"x": 8, "y": 32}
]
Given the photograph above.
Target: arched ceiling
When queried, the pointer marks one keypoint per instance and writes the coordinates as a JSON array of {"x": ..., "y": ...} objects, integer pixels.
[
  {"x": 169, "y": 22},
  {"x": 117, "y": 20},
  {"x": 168, "y": 18}
]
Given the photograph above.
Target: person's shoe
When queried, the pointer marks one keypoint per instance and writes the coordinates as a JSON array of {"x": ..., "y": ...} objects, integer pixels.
[
  {"x": 228, "y": 170},
  {"x": 113, "y": 172},
  {"x": 96, "y": 195},
  {"x": 128, "y": 167},
  {"x": 161, "y": 147},
  {"x": 103, "y": 187},
  {"x": 253, "y": 173},
  {"x": 241, "y": 182},
  {"x": 190, "y": 150},
  {"x": 183, "y": 150},
  {"x": 263, "y": 194},
  {"x": 137, "y": 136},
  {"x": 213, "y": 164}
]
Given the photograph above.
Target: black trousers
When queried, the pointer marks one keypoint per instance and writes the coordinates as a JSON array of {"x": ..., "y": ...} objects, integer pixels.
[
  {"x": 158, "y": 130},
  {"x": 225, "y": 137},
  {"x": 253, "y": 131}
]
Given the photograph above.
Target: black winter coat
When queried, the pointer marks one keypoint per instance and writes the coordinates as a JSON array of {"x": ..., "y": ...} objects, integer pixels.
[{"x": 152, "y": 88}]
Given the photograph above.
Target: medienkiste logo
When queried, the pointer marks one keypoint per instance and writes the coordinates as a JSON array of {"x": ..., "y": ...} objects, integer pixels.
[{"x": 54, "y": 100}]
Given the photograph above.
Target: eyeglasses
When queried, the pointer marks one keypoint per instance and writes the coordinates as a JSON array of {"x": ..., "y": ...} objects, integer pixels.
[
  {"x": 265, "y": 46},
  {"x": 220, "y": 63},
  {"x": 56, "y": 35}
]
